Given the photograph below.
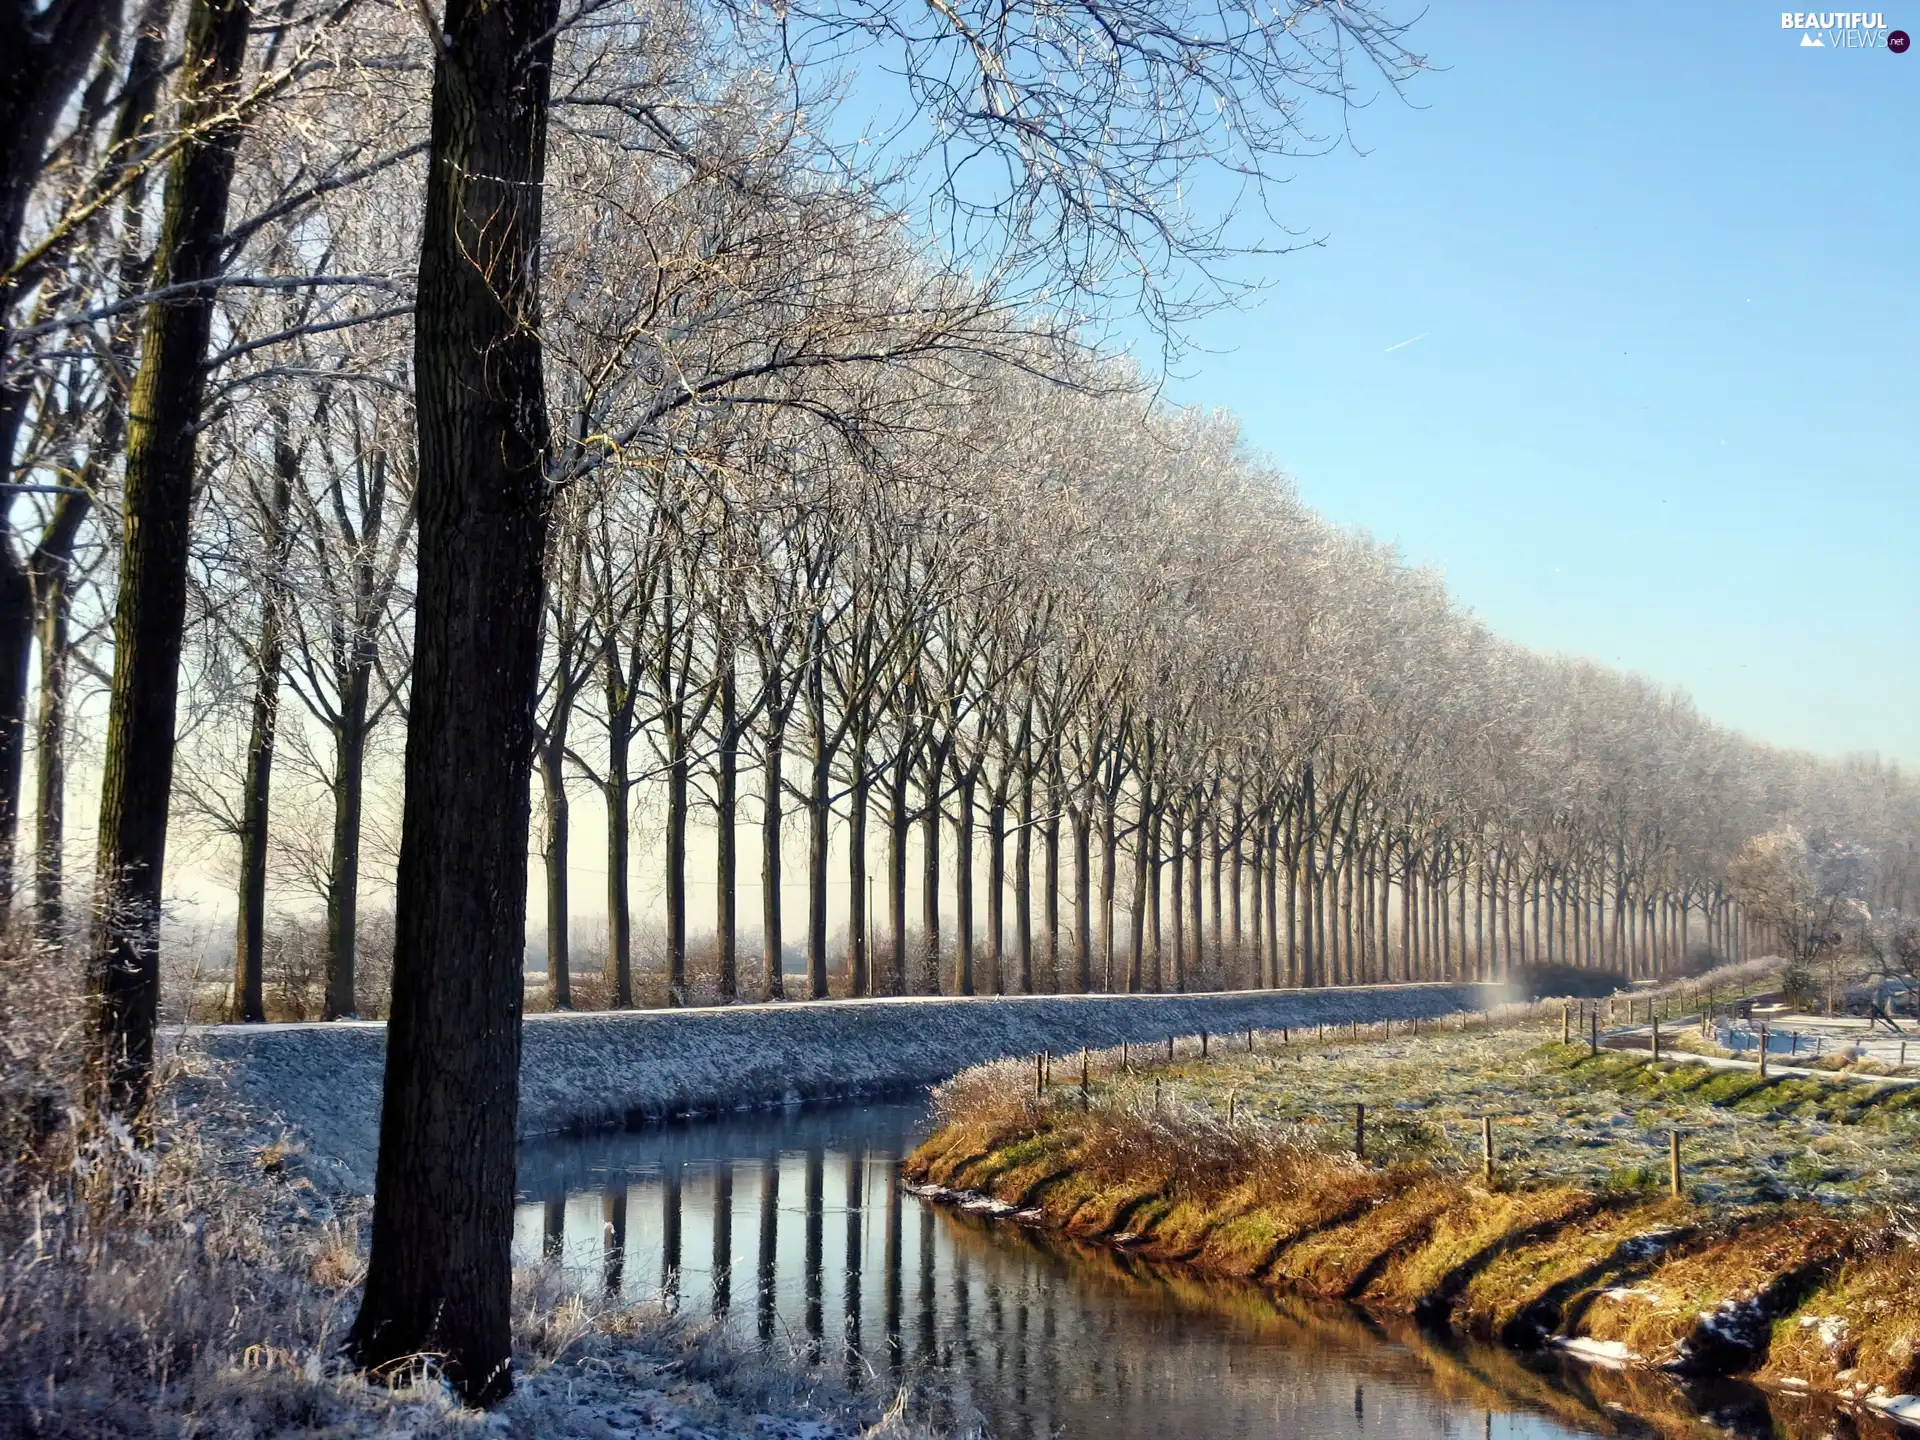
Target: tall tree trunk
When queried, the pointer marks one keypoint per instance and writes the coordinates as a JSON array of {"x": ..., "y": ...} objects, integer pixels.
[
  {"x": 1082, "y": 823},
  {"x": 16, "y": 655},
  {"x": 1348, "y": 904},
  {"x": 772, "y": 981},
  {"x": 679, "y": 767},
  {"x": 617, "y": 967},
  {"x": 44, "y": 51},
  {"x": 343, "y": 860},
  {"x": 150, "y": 613},
  {"x": 1295, "y": 973},
  {"x": 997, "y": 882},
  {"x": 1050, "y": 881},
  {"x": 553, "y": 852},
  {"x": 930, "y": 818},
  {"x": 256, "y": 792},
  {"x": 860, "y": 977},
  {"x": 1196, "y": 879},
  {"x": 1216, "y": 856},
  {"x": 1023, "y": 884},
  {"x": 51, "y": 568},
  {"x": 1235, "y": 882},
  {"x": 726, "y": 800},
  {"x": 963, "y": 979},
  {"x": 1257, "y": 862},
  {"x": 440, "y": 1273},
  {"x": 819, "y": 814},
  {"x": 43, "y": 76},
  {"x": 899, "y": 822},
  {"x": 1314, "y": 939},
  {"x": 1155, "y": 874},
  {"x": 1274, "y": 861},
  {"x": 1107, "y": 880},
  {"x": 1137, "y": 911},
  {"x": 1176, "y": 861}
]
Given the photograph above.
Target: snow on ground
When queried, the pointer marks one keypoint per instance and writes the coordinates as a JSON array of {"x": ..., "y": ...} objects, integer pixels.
[{"x": 586, "y": 1070}]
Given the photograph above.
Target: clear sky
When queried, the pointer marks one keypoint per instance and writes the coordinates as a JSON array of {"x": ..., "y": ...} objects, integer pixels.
[{"x": 1659, "y": 266}]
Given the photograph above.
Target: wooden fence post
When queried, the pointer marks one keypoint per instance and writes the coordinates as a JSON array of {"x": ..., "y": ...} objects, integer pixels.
[
  {"x": 1593, "y": 1031},
  {"x": 1673, "y": 1163},
  {"x": 1486, "y": 1146},
  {"x": 1203, "y": 1044},
  {"x": 1039, "y": 1076},
  {"x": 1566, "y": 1023},
  {"x": 1360, "y": 1132},
  {"x": 1656, "y": 1038},
  {"x": 1763, "y": 1049}
]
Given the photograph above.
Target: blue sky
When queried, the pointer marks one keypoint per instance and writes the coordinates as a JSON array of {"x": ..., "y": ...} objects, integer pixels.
[{"x": 1665, "y": 268}]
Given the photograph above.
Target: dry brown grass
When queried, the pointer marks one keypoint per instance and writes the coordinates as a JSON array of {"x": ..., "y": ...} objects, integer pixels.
[
  {"x": 1861, "y": 1329},
  {"x": 201, "y": 1287},
  {"x": 1678, "y": 1284}
]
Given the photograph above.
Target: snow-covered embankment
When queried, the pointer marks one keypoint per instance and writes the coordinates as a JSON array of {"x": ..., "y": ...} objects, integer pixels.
[{"x": 581, "y": 1071}]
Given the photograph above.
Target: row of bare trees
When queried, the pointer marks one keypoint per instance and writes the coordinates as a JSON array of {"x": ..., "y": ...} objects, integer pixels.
[
  {"x": 576, "y": 386},
  {"x": 1087, "y": 657}
]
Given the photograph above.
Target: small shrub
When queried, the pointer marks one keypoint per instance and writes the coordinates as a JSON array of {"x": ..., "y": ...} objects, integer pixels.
[{"x": 1799, "y": 988}]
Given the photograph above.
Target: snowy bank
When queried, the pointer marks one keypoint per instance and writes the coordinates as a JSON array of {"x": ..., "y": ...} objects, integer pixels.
[{"x": 588, "y": 1070}]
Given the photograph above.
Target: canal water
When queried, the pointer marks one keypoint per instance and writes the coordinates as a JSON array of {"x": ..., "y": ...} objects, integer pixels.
[{"x": 790, "y": 1228}]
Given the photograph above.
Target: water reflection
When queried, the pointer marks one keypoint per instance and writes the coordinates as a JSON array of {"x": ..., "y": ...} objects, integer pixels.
[{"x": 1043, "y": 1339}]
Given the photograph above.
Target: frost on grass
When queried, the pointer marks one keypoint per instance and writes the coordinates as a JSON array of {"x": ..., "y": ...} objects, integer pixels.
[
  {"x": 200, "y": 1286},
  {"x": 1560, "y": 1116},
  {"x": 1243, "y": 1163}
]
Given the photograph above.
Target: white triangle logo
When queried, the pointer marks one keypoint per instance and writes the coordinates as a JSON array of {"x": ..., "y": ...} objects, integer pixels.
[{"x": 1808, "y": 42}]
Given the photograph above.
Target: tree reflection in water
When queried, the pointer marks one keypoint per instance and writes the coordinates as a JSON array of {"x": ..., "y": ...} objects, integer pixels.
[{"x": 1043, "y": 1338}]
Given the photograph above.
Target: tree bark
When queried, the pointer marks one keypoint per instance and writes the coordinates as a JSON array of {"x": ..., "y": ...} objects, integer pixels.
[
  {"x": 44, "y": 52},
  {"x": 997, "y": 884},
  {"x": 51, "y": 567},
  {"x": 150, "y": 614},
  {"x": 1082, "y": 823},
  {"x": 860, "y": 977},
  {"x": 1050, "y": 881},
  {"x": 1176, "y": 864},
  {"x": 930, "y": 874},
  {"x": 1023, "y": 884},
  {"x": 1155, "y": 875},
  {"x": 439, "y": 1275},
  {"x": 963, "y": 979},
  {"x": 256, "y": 792},
  {"x": 1108, "y": 867},
  {"x": 1196, "y": 859},
  {"x": 1137, "y": 912},
  {"x": 553, "y": 852},
  {"x": 819, "y": 802},
  {"x": 343, "y": 862},
  {"x": 899, "y": 824},
  {"x": 726, "y": 796},
  {"x": 772, "y": 962},
  {"x": 1216, "y": 910},
  {"x": 617, "y": 966}
]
